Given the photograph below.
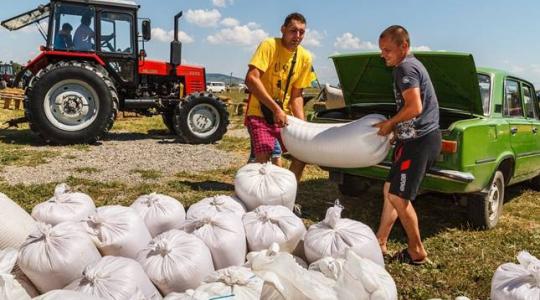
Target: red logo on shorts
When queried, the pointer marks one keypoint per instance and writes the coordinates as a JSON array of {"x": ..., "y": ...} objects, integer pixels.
[{"x": 405, "y": 165}]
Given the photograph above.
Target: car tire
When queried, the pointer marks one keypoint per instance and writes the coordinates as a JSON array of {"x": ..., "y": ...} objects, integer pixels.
[
  {"x": 353, "y": 186},
  {"x": 485, "y": 210},
  {"x": 535, "y": 183},
  {"x": 201, "y": 119},
  {"x": 88, "y": 107}
]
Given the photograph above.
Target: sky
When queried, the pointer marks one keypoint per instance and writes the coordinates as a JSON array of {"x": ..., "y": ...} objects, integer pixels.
[{"x": 222, "y": 34}]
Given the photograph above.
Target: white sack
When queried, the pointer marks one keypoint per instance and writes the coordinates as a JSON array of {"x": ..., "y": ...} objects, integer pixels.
[
  {"x": 329, "y": 267},
  {"x": 15, "y": 224},
  {"x": 237, "y": 283},
  {"x": 223, "y": 233},
  {"x": 333, "y": 97},
  {"x": 64, "y": 206},
  {"x": 160, "y": 212},
  {"x": 25, "y": 282},
  {"x": 517, "y": 281},
  {"x": 265, "y": 184},
  {"x": 283, "y": 276},
  {"x": 339, "y": 145},
  {"x": 188, "y": 295},
  {"x": 361, "y": 278},
  {"x": 273, "y": 224},
  {"x": 66, "y": 295},
  {"x": 117, "y": 278},
  {"x": 176, "y": 261},
  {"x": 118, "y": 231},
  {"x": 52, "y": 257},
  {"x": 334, "y": 235},
  {"x": 10, "y": 289},
  {"x": 219, "y": 203}
]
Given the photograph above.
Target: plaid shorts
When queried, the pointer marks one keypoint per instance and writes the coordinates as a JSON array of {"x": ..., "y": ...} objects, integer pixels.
[{"x": 263, "y": 135}]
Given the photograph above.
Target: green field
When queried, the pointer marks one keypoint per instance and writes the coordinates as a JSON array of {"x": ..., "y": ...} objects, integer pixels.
[{"x": 464, "y": 259}]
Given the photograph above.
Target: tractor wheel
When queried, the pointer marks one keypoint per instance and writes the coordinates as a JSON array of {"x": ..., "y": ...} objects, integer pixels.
[
  {"x": 71, "y": 102},
  {"x": 3, "y": 84},
  {"x": 485, "y": 210},
  {"x": 201, "y": 119}
]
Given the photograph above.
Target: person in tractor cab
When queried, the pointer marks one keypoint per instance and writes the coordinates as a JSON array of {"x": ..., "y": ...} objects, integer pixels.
[
  {"x": 84, "y": 35},
  {"x": 63, "y": 40},
  {"x": 278, "y": 72}
]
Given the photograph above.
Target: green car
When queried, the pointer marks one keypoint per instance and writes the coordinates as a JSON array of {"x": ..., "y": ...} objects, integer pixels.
[{"x": 489, "y": 121}]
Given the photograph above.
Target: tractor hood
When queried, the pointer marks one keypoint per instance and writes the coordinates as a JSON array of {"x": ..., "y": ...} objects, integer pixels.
[
  {"x": 365, "y": 78},
  {"x": 27, "y": 18}
]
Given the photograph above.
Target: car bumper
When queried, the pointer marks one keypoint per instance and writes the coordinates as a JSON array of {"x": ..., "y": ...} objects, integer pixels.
[{"x": 439, "y": 180}]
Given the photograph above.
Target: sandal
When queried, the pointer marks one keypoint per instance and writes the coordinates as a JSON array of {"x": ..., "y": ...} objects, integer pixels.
[{"x": 405, "y": 258}]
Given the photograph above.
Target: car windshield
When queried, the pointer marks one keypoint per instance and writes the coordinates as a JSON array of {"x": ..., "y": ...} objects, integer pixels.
[{"x": 485, "y": 91}]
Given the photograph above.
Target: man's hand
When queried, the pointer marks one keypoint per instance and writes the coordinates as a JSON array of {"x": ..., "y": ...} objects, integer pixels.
[
  {"x": 385, "y": 127},
  {"x": 280, "y": 118}
]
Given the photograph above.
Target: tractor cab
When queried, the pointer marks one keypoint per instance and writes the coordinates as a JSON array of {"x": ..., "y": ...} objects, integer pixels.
[{"x": 87, "y": 40}]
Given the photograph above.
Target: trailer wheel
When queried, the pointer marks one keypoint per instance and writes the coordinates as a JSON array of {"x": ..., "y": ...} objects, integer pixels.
[
  {"x": 485, "y": 210},
  {"x": 201, "y": 119},
  {"x": 71, "y": 102}
]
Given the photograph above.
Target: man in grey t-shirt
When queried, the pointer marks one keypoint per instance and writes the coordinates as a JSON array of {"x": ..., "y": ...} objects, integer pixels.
[{"x": 418, "y": 141}]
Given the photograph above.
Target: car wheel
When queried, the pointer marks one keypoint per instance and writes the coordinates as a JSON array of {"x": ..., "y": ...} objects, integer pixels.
[
  {"x": 353, "y": 186},
  {"x": 485, "y": 210},
  {"x": 535, "y": 183}
]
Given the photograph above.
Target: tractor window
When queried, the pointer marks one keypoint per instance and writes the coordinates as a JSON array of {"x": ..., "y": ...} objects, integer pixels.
[
  {"x": 116, "y": 33},
  {"x": 74, "y": 28}
]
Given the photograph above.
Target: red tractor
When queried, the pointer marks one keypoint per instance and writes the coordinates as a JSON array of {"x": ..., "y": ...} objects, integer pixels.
[
  {"x": 6, "y": 75},
  {"x": 94, "y": 65}
]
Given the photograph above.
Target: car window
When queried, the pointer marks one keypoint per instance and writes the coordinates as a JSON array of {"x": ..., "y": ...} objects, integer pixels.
[
  {"x": 512, "y": 99},
  {"x": 485, "y": 91},
  {"x": 528, "y": 102}
]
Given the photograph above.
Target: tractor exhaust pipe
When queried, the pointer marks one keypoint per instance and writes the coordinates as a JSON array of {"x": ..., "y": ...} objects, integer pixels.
[{"x": 176, "y": 46}]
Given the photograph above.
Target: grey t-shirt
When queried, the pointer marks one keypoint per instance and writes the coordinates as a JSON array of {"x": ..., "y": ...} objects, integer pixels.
[{"x": 411, "y": 73}]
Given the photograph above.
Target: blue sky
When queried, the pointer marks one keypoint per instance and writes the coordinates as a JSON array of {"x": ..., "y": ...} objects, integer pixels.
[{"x": 222, "y": 34}]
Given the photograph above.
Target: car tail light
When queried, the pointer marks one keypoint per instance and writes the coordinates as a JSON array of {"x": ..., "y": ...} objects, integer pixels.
[{"x": 449, "y": 146}]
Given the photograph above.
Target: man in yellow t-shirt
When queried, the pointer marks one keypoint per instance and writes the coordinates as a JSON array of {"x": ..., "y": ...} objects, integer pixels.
[{"x": 266, "y": 79}]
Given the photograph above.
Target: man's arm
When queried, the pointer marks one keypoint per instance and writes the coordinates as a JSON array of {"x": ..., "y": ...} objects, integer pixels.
[
  {"x": 296, "y": 103},
  {"x": 256, "y": 87},
  {"x": 411, "y": 108}
]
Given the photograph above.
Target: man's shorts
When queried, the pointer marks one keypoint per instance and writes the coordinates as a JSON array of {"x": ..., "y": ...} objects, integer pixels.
[
  {"x": 263, "y": 135},
  {"x": 411, "y": 160}
]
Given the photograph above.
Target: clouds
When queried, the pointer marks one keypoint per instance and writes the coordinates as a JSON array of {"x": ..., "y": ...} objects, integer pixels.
[
  {"x": 348, "y": 41},
  {"x": 203, "y": 18},
  {"x": 313, "y": 38},
  {"x": 246, "y": 35},
  {"x": 164, "y": 36},
  {"x": 222, "y": 3},
  {"x": 230, "y": 22}
]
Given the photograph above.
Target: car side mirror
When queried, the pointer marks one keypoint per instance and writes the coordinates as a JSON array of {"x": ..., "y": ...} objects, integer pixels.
[{"x": 146, "y": 30}]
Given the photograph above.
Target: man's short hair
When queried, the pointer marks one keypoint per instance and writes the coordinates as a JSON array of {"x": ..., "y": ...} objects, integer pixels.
[
  {"x": 67, "y": 27},
  {"x": 294, "y": 16},
  {"x": 398, "y": 34}
]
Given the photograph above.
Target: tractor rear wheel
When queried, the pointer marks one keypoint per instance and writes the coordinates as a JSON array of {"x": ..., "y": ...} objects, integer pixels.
[
  {"x": 71, "y": 102},
  {"x": 201, "y": 119}
]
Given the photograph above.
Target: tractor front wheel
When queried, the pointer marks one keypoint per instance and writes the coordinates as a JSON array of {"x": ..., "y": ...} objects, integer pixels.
[{"x": 201, "y": 119}]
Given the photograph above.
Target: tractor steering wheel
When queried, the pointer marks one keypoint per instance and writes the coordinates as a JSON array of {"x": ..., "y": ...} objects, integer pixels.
[{"x": 105, "y": 42}]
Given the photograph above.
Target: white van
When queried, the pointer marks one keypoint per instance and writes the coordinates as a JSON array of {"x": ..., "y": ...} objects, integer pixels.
[{"x": 215, "y": 86}]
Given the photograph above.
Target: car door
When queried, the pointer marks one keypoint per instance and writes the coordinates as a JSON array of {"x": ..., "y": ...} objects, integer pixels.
[
  {"x": 530, "y": 104},
  {"x": 519, "y": 126}
]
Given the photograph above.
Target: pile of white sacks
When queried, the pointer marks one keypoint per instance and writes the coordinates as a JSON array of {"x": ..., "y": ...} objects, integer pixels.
[{"x": 248, "y": 246}]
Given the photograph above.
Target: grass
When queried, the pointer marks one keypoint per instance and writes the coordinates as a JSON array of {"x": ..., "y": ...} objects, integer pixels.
[
  {"x": 147, "y": 174},
  {"x": 464, "y": 259},
  {"x": 87, "y": 170}
]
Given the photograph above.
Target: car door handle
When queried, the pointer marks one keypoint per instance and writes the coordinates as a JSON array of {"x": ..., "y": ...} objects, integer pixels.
[
  {"x": 535, "y": 130},
  {"x": 513, "y": 130}
]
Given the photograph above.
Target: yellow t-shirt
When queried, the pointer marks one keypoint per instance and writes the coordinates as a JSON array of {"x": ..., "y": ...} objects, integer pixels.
[{"x": 275, "y": 61}]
